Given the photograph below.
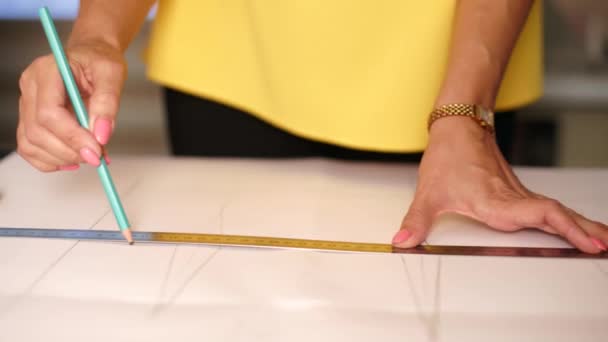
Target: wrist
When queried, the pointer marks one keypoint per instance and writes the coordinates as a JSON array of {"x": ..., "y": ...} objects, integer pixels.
[
  {"x": 457, "y": 128},
  {"x": 484, "y": 95},
  {"x": 78, "y": 40},
  {"x": 460, "y": 138},
  {"x": 85, "y": 33},
  {"x": 477, "y": 119},
  {"x": 472, "y": 84}
]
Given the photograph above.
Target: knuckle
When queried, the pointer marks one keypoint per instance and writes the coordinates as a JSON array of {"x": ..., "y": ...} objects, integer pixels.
[
  {"x": 43, "y": 62},
  {"x": 46, "y": 117},
  {"x": 416, "y": 215},
  {"x": 106, "y": 99},
  {"x": 24, "y": 79},
  {"x": 110, "y": 66},
  {"x": 46, "y": 168},
  {"x": 487, "y": 207},
  {"x": 553, "y": 205},
  {"x": 24, "y": 150},
  {"x": 74, "y": 137},
  {"x": 21, "y": 105},
  {"x": 72, "y": 157},
  {"x": 597, "y": 223},
  {"x": 601, "y": 228},
  {"x": 38, "y": 61},
  {"x": 604, "y": 235},
  {"x": 504, "y": 192},
  {"x": 33, "y": 135},
  {"x": 39, "y": 64},
  {"x": 413, "y": 213},
  {"x": 483, "y": 209}
]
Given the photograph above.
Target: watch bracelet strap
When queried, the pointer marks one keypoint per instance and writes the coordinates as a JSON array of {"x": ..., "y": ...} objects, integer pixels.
[{"x": 457, "y": 109}]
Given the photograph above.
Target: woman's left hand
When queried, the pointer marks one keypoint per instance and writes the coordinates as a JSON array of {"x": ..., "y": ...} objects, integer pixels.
[{"x": 463, "y": 172}]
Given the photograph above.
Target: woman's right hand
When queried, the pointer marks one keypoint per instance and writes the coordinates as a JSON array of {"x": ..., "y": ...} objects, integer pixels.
[{"x": 48, "y": 135}]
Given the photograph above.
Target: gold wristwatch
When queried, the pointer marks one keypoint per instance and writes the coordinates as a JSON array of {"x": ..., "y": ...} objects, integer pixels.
[{"x": 482, "y": 115}]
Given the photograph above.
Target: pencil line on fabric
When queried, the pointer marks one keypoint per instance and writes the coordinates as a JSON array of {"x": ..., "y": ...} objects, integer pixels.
[
  {"x": 28, "y": 290},
  {"x": 222, "y": 217},
  {"x": 160, "y": 307},
  {"x": 436, "y": 317},
  {"x": 100, "y": 218},
  {"x": 602, "y": 270},
  {"x": 414, "y": 293},
  {"x": 171, "y": 265},
  {"x": 424, "y": 277},
  {"x": 431, "y": 321},
  {"x": 164, "y": 284}
]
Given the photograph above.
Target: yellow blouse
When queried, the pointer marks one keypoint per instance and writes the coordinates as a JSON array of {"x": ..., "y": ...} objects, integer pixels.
[{"x": 360, "y": 74}]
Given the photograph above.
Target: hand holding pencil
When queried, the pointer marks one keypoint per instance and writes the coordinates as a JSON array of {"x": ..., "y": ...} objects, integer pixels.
[{"x": 49, "y": 136}]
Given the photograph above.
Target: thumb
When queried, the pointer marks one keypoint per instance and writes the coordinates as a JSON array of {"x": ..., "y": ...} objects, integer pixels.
[
  {"x": 105, "y": 98},
  {"x": 415, "y": 226}
]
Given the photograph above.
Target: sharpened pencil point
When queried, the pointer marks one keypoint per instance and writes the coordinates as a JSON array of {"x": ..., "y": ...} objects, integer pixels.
[{"x": 128, "y": 236}]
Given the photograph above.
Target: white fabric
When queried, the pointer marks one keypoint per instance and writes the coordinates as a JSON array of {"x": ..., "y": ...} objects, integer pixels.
[{"x": 96, "y": 291}]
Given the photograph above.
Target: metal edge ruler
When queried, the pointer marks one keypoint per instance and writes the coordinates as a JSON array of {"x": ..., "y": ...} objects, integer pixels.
[{"x": 291, "y": 243}]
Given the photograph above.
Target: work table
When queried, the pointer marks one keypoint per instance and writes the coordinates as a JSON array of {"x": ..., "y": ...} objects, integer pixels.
[{"x": 108, "y": 291}]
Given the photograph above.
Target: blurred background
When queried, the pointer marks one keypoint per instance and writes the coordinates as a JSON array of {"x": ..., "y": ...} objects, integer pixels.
[{"x": 568, "y": 127}]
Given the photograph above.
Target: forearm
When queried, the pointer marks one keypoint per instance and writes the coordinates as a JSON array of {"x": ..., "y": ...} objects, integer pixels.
[
  {"x": 485, "y": 32},
  {"x": 114, "y": 22}
]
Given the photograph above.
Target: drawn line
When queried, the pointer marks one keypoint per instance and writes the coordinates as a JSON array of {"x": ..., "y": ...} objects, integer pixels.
[
  {"x": 18, "y": 299},
  {"x": 162, "y": 306}
]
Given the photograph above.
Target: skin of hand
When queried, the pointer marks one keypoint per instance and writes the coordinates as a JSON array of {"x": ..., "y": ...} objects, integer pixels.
[
  {"x": 48, "y": 135},
  {"x": 465, "y": 173},
  {"x": 462, "y": 170}
]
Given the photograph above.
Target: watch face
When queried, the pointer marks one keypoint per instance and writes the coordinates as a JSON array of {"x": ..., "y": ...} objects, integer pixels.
[{"x": 485, "y": 115}]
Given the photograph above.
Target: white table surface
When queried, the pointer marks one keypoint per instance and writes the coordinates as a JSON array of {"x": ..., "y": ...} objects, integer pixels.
[{"x": 102, "y": 291}]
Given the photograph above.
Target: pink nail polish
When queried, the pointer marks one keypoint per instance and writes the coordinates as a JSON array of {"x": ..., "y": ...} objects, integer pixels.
[
  {"x": 69, "y": 167},
  {"x": 89, "y": 156},
  {"x": 401, "y": 236},
  {"x": 107, "y": 159},
  {"x": 102, "y": 130},
  {"x": 599, "y": 244}
]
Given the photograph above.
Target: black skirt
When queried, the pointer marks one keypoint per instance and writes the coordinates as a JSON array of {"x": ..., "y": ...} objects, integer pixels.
[{"x": 201, "y": 127}]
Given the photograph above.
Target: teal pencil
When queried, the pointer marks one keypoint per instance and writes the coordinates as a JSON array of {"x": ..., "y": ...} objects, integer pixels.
[{"x": 83, "y": 119}]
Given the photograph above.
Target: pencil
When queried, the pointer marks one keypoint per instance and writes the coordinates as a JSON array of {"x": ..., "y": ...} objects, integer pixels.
[{"x": 83, "y": 119}]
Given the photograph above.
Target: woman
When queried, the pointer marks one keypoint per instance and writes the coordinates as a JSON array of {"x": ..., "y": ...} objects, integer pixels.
[{"x": 344, "y": 79}]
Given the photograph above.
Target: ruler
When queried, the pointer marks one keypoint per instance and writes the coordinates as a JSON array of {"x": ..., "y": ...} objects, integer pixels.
[{"x": 289, "y": 243}]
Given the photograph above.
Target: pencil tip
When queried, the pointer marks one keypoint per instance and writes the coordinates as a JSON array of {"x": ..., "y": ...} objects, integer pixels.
[
  {"x": 131, "y": 243},
  {"x": 128, "y": 236}
]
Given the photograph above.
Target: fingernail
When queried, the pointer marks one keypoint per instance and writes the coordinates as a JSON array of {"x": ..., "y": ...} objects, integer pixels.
[
  {"x": 102, "y": 130},
  {"x": 89, "y": 156},
  {"x": 69, "y": 167},
  {"x": 599, "y": 244},
  {"x": 401, "y": 236}
]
